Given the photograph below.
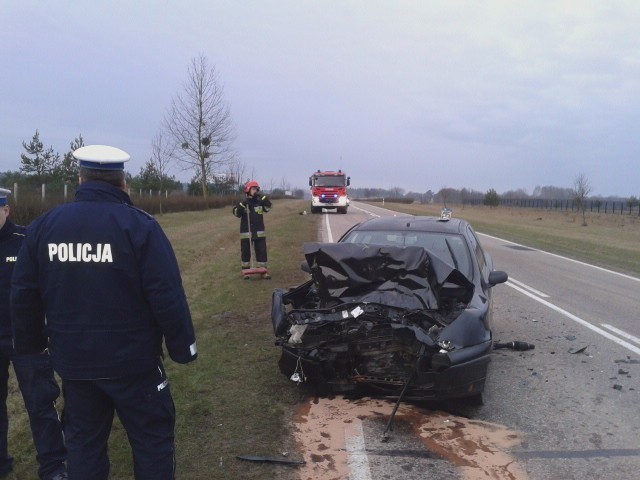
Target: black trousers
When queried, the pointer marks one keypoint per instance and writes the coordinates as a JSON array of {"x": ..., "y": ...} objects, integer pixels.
[
  {"x": 145, "y": 408},
  {"x": 39, "y": 392},
  {"x": 260, "y": 247}
]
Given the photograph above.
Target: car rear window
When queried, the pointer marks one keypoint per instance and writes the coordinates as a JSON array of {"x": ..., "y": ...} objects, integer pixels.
[{"x": 451, "y": 248}]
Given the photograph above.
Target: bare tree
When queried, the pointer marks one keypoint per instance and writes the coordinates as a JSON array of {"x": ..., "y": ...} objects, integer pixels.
[
  {"x": 284, "y": 184},
  {"x": 445, "y": 194},
  {"x": 162, "y": 153},
  {"x": 199, "y": 122},
  {"x": 397, "y": 192},
  {"x": 581, "y": 190},
  {"x": 237, "y": 172}
]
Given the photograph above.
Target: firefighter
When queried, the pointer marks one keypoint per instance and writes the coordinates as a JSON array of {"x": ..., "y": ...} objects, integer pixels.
[
  {"x": 106, "y": 279},
  {"x": 33, "y": 371},
  {"x": 251, "y": 214}
]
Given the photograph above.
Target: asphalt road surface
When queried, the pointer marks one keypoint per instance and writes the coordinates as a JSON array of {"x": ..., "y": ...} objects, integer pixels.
[{"x": 566, "y": 410}]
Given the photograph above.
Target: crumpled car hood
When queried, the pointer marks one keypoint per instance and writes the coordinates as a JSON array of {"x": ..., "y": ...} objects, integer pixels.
[{"x": 407, "y": 277}]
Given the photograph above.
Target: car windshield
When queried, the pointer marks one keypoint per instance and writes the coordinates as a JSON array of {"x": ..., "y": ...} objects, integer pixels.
[
  {"x": 449, "y": 247},
  {"x": 329, "y": 181}
]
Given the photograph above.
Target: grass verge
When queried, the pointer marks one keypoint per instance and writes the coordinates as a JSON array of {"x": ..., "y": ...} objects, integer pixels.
[
  {"x": 609, "y": 240},
  {"x": 233, "y": 399}
]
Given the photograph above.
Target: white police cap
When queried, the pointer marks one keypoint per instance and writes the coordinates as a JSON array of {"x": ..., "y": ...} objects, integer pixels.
[
  {"x": 3, "y": 196},
  {"x": 101, "y": 157}
]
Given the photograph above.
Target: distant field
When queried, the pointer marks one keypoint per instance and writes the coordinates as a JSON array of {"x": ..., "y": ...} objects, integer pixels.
[
  {"x": 233, "y": 399},
  {"x": 608, "y": 240}
]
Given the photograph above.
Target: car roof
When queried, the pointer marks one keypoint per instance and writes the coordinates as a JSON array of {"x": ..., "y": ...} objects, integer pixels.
[{"x": 414, "y": 223}]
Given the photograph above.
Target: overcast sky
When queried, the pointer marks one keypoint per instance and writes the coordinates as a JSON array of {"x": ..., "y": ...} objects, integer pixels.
[{"x": 412, "y": 94}]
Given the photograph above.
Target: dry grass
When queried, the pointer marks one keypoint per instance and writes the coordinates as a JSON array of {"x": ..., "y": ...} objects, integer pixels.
[
  {"x": 233, "y": 399},
  {"x": 608, "y": 240}
]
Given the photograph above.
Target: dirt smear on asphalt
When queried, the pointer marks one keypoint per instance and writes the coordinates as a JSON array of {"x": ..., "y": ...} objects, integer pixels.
[{"x": 478, "y": 449}]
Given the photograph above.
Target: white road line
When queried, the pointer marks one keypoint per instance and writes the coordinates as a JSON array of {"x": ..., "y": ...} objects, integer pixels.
[
  {"x": 365, "y": 211},
  {"x": 628, "y": 277},
  {"x": 579, "y": 320},
  {"x": 531, "y": 289},
  {"x": 329, "y": 234},
  {"x": 357, "y": 459},
  {"x": 622, "y": 333}
]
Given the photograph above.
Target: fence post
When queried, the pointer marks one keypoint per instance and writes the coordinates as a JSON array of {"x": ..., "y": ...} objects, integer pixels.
[
  {"x": 66, "y": 187},
  {"x": 15, "y": 193},
  {"x": 43, "y": 192}
]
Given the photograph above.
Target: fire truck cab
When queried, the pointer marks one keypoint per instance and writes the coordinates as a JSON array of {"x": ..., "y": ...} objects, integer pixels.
[{"x": 329, "y": 190}]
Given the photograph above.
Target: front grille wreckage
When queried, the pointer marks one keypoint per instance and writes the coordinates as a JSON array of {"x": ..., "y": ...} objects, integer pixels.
[{"x": 376, "y": 319}]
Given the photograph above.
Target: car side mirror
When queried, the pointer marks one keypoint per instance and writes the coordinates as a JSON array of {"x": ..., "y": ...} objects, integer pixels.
[
  {"x": 497, "y": 277},
  {"x": 304, "y": 266}
]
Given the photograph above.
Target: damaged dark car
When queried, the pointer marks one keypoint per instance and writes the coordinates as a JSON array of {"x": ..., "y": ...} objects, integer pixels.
[{"x": 400, "y": 306}]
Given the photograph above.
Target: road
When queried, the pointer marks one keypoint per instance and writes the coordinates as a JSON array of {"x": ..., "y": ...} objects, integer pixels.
[{"x": 566, "y": 410}]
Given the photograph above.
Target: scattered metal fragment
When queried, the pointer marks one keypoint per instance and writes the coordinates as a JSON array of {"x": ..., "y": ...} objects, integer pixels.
[
  {"x": 281, "y": 461},
  {"x": 515, "y": 345},
  {"x": 628, "y": 361},
  {"x": 578, "y": 350},
  {"x": 617, "y": 387}
]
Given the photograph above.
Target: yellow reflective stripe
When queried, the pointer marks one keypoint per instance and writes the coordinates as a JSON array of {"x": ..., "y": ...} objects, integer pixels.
[
  {"x": 245, "y": 235},
  {"x": 261, "y": 234}
]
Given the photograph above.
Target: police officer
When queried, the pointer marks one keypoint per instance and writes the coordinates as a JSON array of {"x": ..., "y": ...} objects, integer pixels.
[
  {"x": 33, "y": 371},
  {"x": 251, "y": 214},
  {"x": 106, "y": 278}
]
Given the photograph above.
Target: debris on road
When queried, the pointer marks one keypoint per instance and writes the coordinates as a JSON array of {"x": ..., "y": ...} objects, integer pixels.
[
  {"x": 515, "y": 345},
  {"x": 578, "y": 350},
  {"x": 281, "y": 461}
]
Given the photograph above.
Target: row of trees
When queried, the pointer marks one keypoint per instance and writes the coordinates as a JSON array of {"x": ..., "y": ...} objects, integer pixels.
[{"x": 197, "y": 134}]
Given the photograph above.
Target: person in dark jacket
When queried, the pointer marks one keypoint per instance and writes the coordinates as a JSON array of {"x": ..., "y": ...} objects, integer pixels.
[
  {"x": 251, "y": 214},
  {"x": 105, "y": 276},
  {"x": 33, "y": 371}
]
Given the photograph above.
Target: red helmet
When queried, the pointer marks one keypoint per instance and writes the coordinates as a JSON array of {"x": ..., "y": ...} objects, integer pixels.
[{"x": 248, "y": 185}]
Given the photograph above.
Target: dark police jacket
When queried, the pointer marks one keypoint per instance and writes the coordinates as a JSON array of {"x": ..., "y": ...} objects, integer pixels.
[
  {"x": 104, "y": 274},
  {"x": 257, "y": 207},
  {"x": 11, "y": 237}
]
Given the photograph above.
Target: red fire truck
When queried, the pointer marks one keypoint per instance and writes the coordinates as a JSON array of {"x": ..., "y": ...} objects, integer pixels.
[{"x": 329, "y": 190}]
